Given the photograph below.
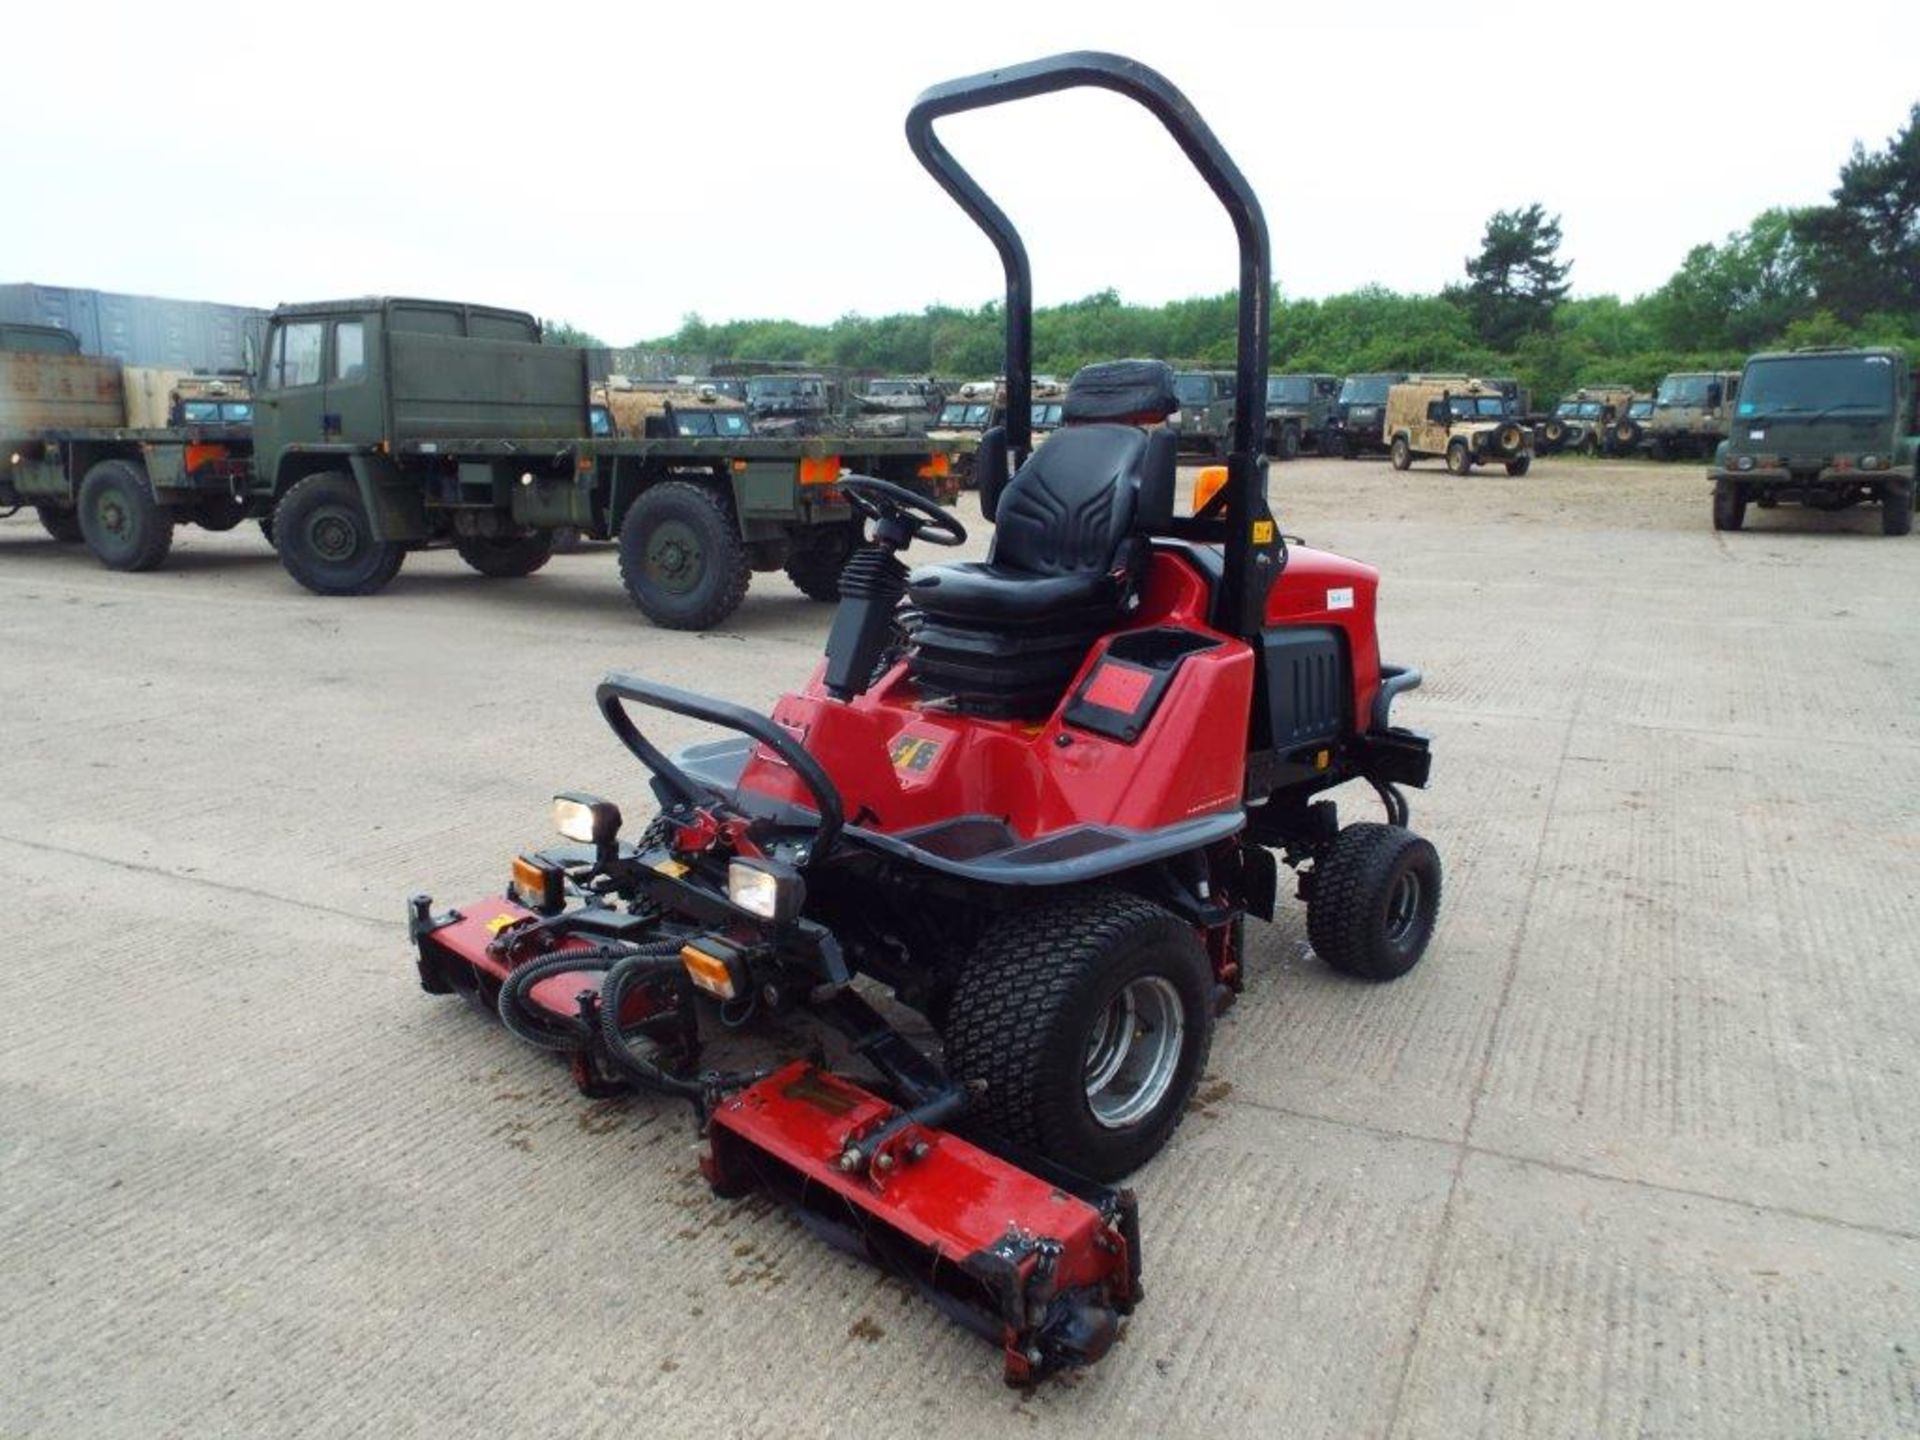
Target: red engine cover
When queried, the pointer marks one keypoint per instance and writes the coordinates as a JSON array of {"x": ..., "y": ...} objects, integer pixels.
[{"x": 1319, "y": 588}]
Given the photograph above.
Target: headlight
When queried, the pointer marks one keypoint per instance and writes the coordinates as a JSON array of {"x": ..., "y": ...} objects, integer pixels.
[
  {"x": 766, "y": 888},
  {"x": 1873, "y": 462},
  {"x": 1745, "y": 462},
  {"x": 586, "y": 819}
]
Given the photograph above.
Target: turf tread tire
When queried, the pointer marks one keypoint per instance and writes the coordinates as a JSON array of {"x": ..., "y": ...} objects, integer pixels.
[
  {"x": 1009, "y": 1014},
  {"x": 1343, "y": 916}
]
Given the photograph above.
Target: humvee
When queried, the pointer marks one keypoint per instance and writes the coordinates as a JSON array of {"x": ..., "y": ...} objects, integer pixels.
[
  {"x": 1824, "y": 428},
  {"x": 1690, "y": 413},
  {"x": 1584, "y": 419},
  {"x": 1467, "y": 423},
  {"x": 1298, "y": 409},
  {"x": 1206, "y": 411}
]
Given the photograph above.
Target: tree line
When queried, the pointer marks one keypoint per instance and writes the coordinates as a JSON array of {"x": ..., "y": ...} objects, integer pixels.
[{"x": 1846, "y": 272}]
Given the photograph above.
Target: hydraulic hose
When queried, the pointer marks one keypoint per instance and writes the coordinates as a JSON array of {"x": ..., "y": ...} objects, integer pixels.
[
  {"x": 651, "y": 962},
  {"x": 544, "y": 1028}
]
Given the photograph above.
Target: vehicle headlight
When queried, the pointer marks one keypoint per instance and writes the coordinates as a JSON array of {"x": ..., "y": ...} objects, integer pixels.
[
  {"x": 1873, "y": 462},
  {"x": 766, "y": 888},
  {"x": 1745, "y": 462},
  {"x": 586, "y": 819}
]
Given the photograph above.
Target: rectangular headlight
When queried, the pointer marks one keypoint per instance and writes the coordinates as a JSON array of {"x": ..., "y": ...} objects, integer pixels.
[
  {"x": 766, "y": 888},
  {"x": 586, "y": 819}
]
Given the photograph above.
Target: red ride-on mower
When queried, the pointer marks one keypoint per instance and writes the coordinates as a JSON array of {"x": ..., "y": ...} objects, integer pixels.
[{"x": 1032, "y": 797}]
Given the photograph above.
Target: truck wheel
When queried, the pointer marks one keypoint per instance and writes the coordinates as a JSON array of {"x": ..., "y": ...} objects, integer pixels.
[
  {"x": 681, "y": 558},
  {"x": 220, "y": 514},
  {"x": 1086, "y": 1020},
  {"x": 1519, "y": 465},
  {"x": 122, "y": 522},
  {"x": 1896, "y": 507},
  {"x": 1290, "y": 442},
  {"x": 62, "y": 525},
  {"x": 1729, "y": 505},
  {"x": 1626, "y": 436},
  {"x": 325, "y": 538},
  {"x": 1400, "y": 453},
  {"x": 1555, "y": 434},
  {"x": 814, "y": 561},
  {"x": 506, "y": 559},
  {"x": 1376, "y": 895},
  {"x": 568, "y": 540},
  {"x": 1459, "y": 458}
]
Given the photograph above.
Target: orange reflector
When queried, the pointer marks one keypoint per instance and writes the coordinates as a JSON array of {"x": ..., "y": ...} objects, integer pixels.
[
  {"x": 1212, "y": 480},
  {"x": 709, "y": 972},
  {"x": 936, "y": 466},
  {"x": 539, "y": 887},
  {"x": 198, "y": 455},
  {"x": 819, "y": 469},
  {"x": 739, "y": 467},
  {"x": 1322, "y": 759}
]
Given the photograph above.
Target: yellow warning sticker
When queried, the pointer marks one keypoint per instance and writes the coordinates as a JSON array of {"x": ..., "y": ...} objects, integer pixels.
[
  {"x": 671, "y": 868},
  {"x": 1263, "y": 532},
  {"x": 499, "y": 923}
]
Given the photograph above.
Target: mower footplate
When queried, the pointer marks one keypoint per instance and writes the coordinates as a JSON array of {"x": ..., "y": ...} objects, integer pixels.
[{"x": 1044, "y": 1266}]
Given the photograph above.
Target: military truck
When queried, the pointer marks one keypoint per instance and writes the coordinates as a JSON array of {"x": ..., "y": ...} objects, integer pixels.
[
  {"x": 1584, "y": 419},
  {"x": 916, "y": 399},
  {"x": 1691, "y": 410},
  {"x": 1826, "y": 428},
  {"x": 1467, "y": 423},
  {"x": 794, "y": 404},
  {"x": 1356, "y": 423},
  {"x": 96, "y": 449},
  {"x": 1206, "y": 411},
  {"x": 383, "y": 426},
  {"x": 1298, "y": 409}
]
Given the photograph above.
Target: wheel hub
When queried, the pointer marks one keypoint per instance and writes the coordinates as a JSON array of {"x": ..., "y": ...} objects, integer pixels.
[
  {"x": 674, "y": 557},
  {"x": 1133, "y": 1052},
  {"x": 1403, "y": 908},
  {"x": 333, "y": 535},
  {"x": 112, "y": 516}
]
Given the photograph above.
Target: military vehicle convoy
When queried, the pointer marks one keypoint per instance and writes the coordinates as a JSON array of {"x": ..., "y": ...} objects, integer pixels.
[
  {"x": 1466, "y": 423},
  {"x": 117, "y": 455},
  {"x": 1824, "y": 428},
  {"x": 1691, "y": 411},
  {"x": 794, "y": 404},
  {"x": 1205, "y": 415},
  {"x": 1584, "y": 419},
  {"x": 1298, "y": 410},
  {"x": 383, "y": 426}
]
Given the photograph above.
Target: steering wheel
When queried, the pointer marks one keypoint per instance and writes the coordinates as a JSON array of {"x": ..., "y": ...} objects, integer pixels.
[{"x": 922, "y": 519}]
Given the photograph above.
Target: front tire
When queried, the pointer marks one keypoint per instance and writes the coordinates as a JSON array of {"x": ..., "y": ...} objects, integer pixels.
[
  {"x": 62, "y": 525},
  {"x": 681, "y": 558},
  {"x": 1376, "y": 896},
  {"x": 1896, "y": 507},
  {"x": 1290, "y": 442},
  {"x": 123, "y": 524},
  {"x": 325, "y": 538},
  {"x": 1729, "y": 505},
  {"x": 1086, "y": 1022},
  {"x": 1519, "y": 465},
  {"x": 1459, "y": 458},
  {"x": 510, "y": 558},
  {"x": 1400, "y": 453}
]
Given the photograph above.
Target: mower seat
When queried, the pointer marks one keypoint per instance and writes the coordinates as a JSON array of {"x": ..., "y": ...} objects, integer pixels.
[{"x": 1004, "y": 636}]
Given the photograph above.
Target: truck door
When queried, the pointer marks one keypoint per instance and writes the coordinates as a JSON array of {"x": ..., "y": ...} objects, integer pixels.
[{"x": 290, "y": 407}]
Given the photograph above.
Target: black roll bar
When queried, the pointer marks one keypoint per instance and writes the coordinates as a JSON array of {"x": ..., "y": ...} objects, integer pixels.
[{"x": 1254, "y": 552}]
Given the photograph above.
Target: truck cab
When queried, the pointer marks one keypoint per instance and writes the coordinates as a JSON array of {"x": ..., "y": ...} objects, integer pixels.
[
  {"x": 1691, "y": 409},
  {"x": 1298, "y": 409},
  {"x": 1826, "y": 428},
  {"x": 1206, "y": 410}
]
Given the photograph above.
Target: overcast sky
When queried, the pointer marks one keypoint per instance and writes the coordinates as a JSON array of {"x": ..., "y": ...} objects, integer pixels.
[{"x": 621, "y": 165}]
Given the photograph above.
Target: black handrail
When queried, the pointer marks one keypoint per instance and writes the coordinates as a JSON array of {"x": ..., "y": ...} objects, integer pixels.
[
  {"x": 620, "y": 686},
  {"x": 1254, "y": 552}
]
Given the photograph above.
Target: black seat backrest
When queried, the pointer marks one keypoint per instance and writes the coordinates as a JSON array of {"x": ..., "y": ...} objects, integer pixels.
[
  {"x": 1071, "y": 505},
  {"x": 1139, "y": 392}
]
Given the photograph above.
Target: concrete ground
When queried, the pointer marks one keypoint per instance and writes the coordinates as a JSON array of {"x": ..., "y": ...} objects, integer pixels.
[{"x": 1636, "y": 1151}]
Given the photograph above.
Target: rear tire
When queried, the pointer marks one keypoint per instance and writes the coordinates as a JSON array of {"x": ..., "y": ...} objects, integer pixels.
[
  {"x": 1086, "y": 1020},
  {"x": 123, "y": 524},
  {"x": 1376, "y": 896},
  {"x": 814, "y": 562},
  {"x": 1519, "y": 465},
  {"x": 325, "y": 538},
  {"x": 681, "y": 558},
  {"x": 1729, "y": 505},
  {"x": 62, "y": 525},
  {"x": 1400, "y": 453},
  {"x": 1896, "y": 507},
  {"x": 1459, "y": 458},
  {"x": 1290, "y": 442},
  {"x": 220, "y": 514},
  {"x": 506, "y": 559}
]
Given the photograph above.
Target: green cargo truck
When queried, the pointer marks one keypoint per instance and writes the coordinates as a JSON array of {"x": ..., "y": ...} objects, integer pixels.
[
  {"x": 74, "y": 446},
  {"x": 387, "y": 425},
  {"x": 1824, "y": 428},
  {"x": 1298, "y": 409},
  {"x": 1206, "y": 411}
]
